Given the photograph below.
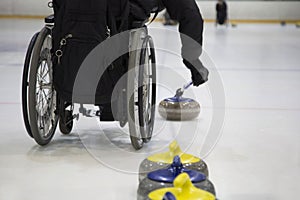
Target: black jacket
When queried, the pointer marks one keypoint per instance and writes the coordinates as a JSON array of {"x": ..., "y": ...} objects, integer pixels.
[{"x": 187, "y": 13}]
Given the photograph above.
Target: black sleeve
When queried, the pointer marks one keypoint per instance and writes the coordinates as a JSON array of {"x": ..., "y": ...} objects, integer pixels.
[
  {"x": 217, "y": 7},
  {"x": 187, "y": 13}
]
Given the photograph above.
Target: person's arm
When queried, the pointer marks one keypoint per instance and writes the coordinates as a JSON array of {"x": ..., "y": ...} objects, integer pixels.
[
  {"x": 225, "y": 6},
  {"x": 187, "y": 13}
]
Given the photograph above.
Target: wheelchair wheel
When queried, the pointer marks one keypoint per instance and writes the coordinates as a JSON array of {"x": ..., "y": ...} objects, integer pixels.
[
  {"x": 147, "y": 89},
  {"x": 42, "y": 96},
  {"x": 141, "y": 88},
  {"x": 25, "y": 78}
]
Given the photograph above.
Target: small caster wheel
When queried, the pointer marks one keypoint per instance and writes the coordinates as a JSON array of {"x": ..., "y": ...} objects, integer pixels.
[{"x": 66, "y": 122}]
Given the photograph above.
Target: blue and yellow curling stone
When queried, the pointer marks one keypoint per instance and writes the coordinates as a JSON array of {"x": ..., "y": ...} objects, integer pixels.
[
  {"x": 164, "y": 178},
  {"x": 164, "y": 160}
]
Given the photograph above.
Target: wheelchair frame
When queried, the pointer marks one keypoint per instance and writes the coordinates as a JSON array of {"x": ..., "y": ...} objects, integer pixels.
[{"x": 43, "y": 109}]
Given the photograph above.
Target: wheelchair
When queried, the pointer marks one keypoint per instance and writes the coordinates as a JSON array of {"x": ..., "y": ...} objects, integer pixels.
[{"x": 43, "y": 109}]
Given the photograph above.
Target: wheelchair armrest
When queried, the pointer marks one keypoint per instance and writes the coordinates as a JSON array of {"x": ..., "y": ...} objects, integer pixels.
[
  {"x": 49, "y": 19},
  {"x": 138, "y": 24}
]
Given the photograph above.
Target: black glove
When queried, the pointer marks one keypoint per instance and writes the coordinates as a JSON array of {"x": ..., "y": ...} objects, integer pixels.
[{"x": 198, "y": 71}]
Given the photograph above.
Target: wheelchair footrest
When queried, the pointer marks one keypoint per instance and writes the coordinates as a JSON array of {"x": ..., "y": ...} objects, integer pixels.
[
  {"x": 89, "y": 112},
  {"x": 138, "y": 24}
]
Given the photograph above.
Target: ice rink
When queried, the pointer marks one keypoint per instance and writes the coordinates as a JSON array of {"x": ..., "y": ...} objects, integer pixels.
[{"x": 253, "y": 152}]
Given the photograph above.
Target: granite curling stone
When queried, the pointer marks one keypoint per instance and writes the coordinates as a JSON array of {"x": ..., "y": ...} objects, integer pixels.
[
  {"x": 179, "y": 109},
  {"x": 164, "y": 160},
  {"x": 164, "y": 178}
]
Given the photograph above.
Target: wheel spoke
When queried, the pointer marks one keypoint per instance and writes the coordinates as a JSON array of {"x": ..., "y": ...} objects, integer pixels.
[
  {"x": 42, "y": 67},
  {"x": 39, "y": 100},
  {"x": 46, "y": 73},
  {"x": 47, "y": 86},
  {"x": 45, "y": 95}
]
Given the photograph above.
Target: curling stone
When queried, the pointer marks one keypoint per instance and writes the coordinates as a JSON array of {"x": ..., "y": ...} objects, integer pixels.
[
  {"x": 178, "y": 108},
  {"x": 163, "y": 160},
  {"x": 183, "y": 190},
  {"x": 164, "y": 178}
]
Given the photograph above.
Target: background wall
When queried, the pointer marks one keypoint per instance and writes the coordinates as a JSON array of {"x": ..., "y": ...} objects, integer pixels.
[
  {"x": 255, "y": 10},
  {"x": 248, "y": 10},
  {"x": 24, "y": 7}
]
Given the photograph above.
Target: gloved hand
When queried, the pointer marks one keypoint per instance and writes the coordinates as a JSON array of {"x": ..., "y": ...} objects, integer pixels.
[{"x": 198, "y": 71}]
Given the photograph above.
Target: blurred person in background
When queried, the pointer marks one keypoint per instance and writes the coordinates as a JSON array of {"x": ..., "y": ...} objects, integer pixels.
[{"x": 221, "y": 9}]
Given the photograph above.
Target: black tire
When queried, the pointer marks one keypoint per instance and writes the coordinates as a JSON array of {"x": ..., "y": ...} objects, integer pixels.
[
  {"x": 42, "y": 96},
  {"x": 140, "y": 129},
  {"x": 136, "y": 36},
  {"x": 147, "y": 89},
  {"x": 25, "y": 83}
]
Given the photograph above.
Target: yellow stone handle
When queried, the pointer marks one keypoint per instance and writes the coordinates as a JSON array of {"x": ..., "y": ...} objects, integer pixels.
[
  {"x": 183, "y": 190},
  {"x": 174, "y": 150}
]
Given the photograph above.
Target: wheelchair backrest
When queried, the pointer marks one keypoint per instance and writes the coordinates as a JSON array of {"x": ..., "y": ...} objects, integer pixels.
[{"x": 79, "y": 27}]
